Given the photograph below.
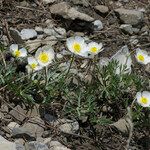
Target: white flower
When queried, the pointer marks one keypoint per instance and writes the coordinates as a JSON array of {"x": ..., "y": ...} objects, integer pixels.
[
  {"x": 16, "y": 52},
  {"x": 94, "y": 48},
  {"x": 77, "y": 45},
  {"x": 142, "y": 56},
  {"x": 44, "y": 57},
  {"x": 33, "y": 65},
  {"x": 143, "y": 98}
]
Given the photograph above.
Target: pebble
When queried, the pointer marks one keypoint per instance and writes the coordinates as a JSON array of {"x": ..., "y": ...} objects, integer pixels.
[
  {"x": 98, "y": 25},
  {"x": 127, "y": 28},
  {"x": 101, "y": 9},
  {"x": 127, "y": 16},
  {"x": 27, "y": 34},
  {"x": 12, "y": 125}
]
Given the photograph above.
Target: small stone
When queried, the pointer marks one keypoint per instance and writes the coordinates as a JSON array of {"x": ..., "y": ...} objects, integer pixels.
[
  {"x": 20, "y": 147},
  {"x": 33, "y": 44},
  {"x": 49, "y": 117},
  {"x": 55, "y": 145},
  {"x": 122, "y": 125},
  {"x": 4, "y": 108},
  {"x": 132, "y": 17},
  {"x": 49, "y": 1},
  {"x": 50, "y": 40},
  {"x": 66, "y": 125},
  {"x": 12, "y": 125},
  {"x": 127, "y": 28},
  {"x": 15, "y": 34},
  {"x": 17, "y": 115},
  {"x": 81, "y": 2},
  {"x": 102, "y": 9},
  {"x": 34, "y": 145},
  {"x": 34, "y": 127},
  {"x": 98, "y": 25},
  {"x": 68, "y": 12},
  {"x": 147, "y": 68},
  {"x": 1, "y": 116},
  {"x": 123, "y": 58},
  {"x": 6, "y": 145},
  {"x": 27, "y": 34},
  {"x": 39, "y": 30},
  {"x": 134, "y": 40}
]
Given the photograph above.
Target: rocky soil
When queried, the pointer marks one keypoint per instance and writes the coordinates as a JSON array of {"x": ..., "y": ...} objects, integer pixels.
[{"x": 39, "y": 23}]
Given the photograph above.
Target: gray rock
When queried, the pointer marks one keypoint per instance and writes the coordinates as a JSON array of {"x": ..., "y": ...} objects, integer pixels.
[
  {"x": 1, "y": 116},
  {"x": 22, "y": 133},
  {"x": 19, "y": 147},
  {"x": 39, "y": 30},
  {"x": 12, "y": 125},
  {"x": 66, "y": 125},
  {"x": 34, "y": 145},
  {"x": 15, "y": 34},
  {"x": 147, "y": 68},
  {"x": 55, "y": 145},
  {"x": 27, "y": 34},
  {"x": 132, "y": 17},
  {"x": 81, "y": 2},
  {"x": 123, "y": 58},
  {"x": 6, "y": 145},
  {"x": 122, "y": 125},
  {"x": 17, "y": 115},
  {"x": 50, "y": 40},
  {"x": 98, "y": 25},
  {"x": 35, "y": 126},
  {"x": 49, "y": 1},
  {"x": 49, "y": 117},
  {"x": 127, "y": 28},
  {"x": 56, "y": 32},
  {"x": 102, "y": 9},
  {"x": 68, "y": 12}
]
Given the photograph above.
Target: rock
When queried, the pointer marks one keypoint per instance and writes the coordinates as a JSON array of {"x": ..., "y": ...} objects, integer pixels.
[
  {"x": 39, "y": 30},
  {"x": 132, "y": 17},
  {"x": 34, "y": 145},
  {"x": 50, "y": 40},
  {"x": 56, "y": 32},
  {"x": 74, "y": 14},
  {"x": 123, "y": 58},
  {"x": 12, "y": 125},
  {"x": 102, "y": 9},
  {"x": 122, "y": 125},
  {"x": 98, "y": 25},
  {"x": 33, "y": 44},
  {"x": 6, "y": 145},
  {"x": 15, "y": 34},
  {"x": 127, "y": 28},
  {"x": 66, "y": 125},
  {"x": 34, "y": 111},
  {"x": 22, "y": 133},
  {"x": 147, "y": 68},
  {"x": 17, "y": 115},
  {"x": 1, "y": 116},
  {"x": 4, "y": 108},
  {"x": 81, "y": 2},
  {"x": 5, "y": 40},
  {"x": 49, "y": 117},
  {"x": 68, "y": 12},
  {"x": 134, "y": 40},
  {"x": 49, "y": 1},
  {"x": 27, "y": 34},
  {"x": 104, "y": 61},
  {"x": 35, "y": 126},
  {"x": 55, "y": 145},
  {"x": 20, "y": 147}
]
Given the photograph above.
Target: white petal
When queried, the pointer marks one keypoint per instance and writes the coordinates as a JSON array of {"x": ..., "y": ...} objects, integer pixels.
[
  {"x": 32, "y": 60},
  {"x": 23, "y": 52},
  {"x": 13, "y": 47},
  {"x": 146, "y": 94},
  {"x": 29, "y": 70},
  {"x": 79, "y": 39},
  {"x": 138, "y": 96},
  {"x": 143, "y": 52}
]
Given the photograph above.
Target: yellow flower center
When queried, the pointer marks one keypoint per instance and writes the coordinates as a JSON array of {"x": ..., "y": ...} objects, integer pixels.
[
  {"x": 17, "y": 53},
  {"x": 43, "y": 57},
  {"x": 144, "y": 100},
  {"x": 33, "y": 66},
  {"x": 77, "y": 47},
  {"x": 93, "y": 49},
  {"x": 141, "y": 57}
]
